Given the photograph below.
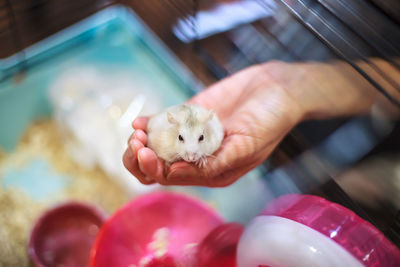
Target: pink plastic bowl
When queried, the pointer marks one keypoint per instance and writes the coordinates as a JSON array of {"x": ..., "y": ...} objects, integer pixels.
[
  {"x": 64, "y": 235},
  {"x": 218, "y": 248},
  {"x": 129, "y": 236},
  {"x": 340, "y": 224}
]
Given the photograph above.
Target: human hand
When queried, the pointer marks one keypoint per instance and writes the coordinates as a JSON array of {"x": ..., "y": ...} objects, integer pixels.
[{"x": 256, "y": 113}]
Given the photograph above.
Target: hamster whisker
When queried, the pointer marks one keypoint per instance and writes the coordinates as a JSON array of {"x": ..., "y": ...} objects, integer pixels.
[{"x": 201, "y": 162}]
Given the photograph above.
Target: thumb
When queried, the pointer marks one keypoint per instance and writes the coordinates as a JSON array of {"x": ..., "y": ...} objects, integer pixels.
[{"x": 140, "y": 123}]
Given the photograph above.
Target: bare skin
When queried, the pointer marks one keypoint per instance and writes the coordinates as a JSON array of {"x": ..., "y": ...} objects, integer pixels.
[{"x": 257, "y": 107}]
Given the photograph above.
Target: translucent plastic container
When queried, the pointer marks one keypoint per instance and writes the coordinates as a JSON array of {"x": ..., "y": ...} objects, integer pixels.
[{"x": 310, "y": 224}]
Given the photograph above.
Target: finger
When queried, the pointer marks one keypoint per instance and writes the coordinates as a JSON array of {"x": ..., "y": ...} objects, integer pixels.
[
  {"x": 232, "y": 155},
  {"x": 190, "y": 175},
  {"x": 137, "y": 146},
  {"x": 130, "y": 138},
  {"x": 182, "y": 173},
  {"x": 151, "y": 165},
  {"x": 133, "y": 168},
  {"x": 131, "y": 164},
  {"x": 235, "y": 151},
  {"x": 140, "y": 123},
  {"x": 184, "y": 177},
  {"x": 141, "y": 136}
]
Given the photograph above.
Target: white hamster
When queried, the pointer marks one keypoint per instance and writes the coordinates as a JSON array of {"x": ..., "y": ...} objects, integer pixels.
[{"x": 185, "y": 132}]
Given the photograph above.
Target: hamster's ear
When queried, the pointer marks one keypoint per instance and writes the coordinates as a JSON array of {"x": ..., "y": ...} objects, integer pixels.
[
  {"x": 171, "y": 119},
  {"x": 208, "y": 116}
]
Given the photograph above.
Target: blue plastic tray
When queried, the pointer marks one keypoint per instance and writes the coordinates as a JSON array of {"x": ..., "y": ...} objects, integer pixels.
[{"x": 114, "y": 36}]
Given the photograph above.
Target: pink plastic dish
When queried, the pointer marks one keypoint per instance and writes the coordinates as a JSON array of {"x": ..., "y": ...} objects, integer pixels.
[
  {"x": 357, "y": 236},
  {"x": 63, "y": 235},
  {"x": 157, "y": 229},
  {"x": 218, "y": 248}
]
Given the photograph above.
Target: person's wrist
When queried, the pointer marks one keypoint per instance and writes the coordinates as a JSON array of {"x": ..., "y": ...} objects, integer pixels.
[
  {"x": 293, "y": 101},
  {"x": 322, "y": 90}
]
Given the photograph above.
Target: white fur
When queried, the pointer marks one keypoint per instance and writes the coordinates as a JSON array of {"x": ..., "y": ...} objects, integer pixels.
[{"x": 163, "y": 131}]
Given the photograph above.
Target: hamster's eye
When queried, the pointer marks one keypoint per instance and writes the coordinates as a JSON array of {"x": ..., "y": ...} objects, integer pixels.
[
  {"x": 181, "y": 138},
  {"x": 201, "y": 138}
]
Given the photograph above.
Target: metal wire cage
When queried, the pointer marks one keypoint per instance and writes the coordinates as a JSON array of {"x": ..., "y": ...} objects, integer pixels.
[
  {"x": 297, "y": 30},
  {"x": 301, "y": 30},
  {"x": 304, "y": 30},
  {"x": 25, "y": 22}
]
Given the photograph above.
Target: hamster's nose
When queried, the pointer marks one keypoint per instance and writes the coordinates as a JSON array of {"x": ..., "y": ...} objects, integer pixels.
[{"x": 192, "y": 156}]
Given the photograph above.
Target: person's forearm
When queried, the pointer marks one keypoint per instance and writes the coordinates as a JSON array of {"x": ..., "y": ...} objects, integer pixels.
[{"x": 324, "y": 90}]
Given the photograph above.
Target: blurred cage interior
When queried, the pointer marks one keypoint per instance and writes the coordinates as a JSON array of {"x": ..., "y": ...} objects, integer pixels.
[{"x": 313, "y": 155}]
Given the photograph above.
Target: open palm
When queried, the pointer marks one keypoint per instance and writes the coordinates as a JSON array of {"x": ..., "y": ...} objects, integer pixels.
[{"x": 254, "y": 111}]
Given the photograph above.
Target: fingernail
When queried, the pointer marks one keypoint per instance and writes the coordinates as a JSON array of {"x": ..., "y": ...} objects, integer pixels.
[
  {"x": 139, "y": 158},
  {"x": 131, "y": 149},
  {"x": 129, "y": 153}
]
